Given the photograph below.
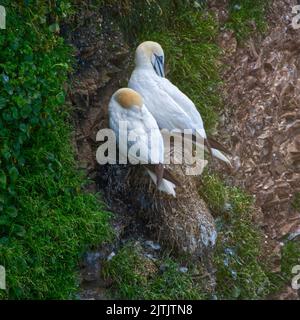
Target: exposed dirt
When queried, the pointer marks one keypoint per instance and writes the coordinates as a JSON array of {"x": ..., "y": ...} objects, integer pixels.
[
  {"x": 102, "y": 59},
  {"x": 261, "y": 122}
]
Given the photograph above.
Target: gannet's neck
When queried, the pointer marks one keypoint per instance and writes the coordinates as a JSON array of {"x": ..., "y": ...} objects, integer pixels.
[
  {"x": 142, "y": 59},
  {"x": 145, "y": 67}
]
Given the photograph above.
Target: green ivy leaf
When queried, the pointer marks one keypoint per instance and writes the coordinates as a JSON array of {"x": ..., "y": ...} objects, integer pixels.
[
  {"x": 19, "y": 230},
  {"x": 236, "y": 292},
  {"x": 3, "y": 180},
  {"x": 7, "y": 116},
  {"x": 4, "y": 220},
  {"x": 60, "y": 98},
  {"x": 14, "y": 113},
  {"x": 6, "y": 154},
  {"x": 54, "y": 27},
  {"x": 13, "y": 174},
  {"x": 3, "y": 102},
  {"x": 4, "y": 240},
  {"x": 23, "y": 127},
  {"x": 25, "y": 111},
  {"x": 12, "y": 211}
]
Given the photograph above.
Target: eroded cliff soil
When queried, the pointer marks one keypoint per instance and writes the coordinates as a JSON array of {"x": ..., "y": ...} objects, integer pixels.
[{"x": 261, "y": 121}]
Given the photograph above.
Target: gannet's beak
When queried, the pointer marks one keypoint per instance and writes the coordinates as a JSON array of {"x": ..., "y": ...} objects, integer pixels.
[{"x": 158, "y": 65}]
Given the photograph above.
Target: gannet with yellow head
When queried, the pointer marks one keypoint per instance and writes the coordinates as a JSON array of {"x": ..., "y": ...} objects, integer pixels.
[
  {"x": 127, "y": 106},
  {"x": 170, "y": 107}
]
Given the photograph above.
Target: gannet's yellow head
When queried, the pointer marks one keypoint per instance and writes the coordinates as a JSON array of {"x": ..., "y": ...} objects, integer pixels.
[
  {"x": 150, "y": 52},
  {"x": 128, "y": 98}
]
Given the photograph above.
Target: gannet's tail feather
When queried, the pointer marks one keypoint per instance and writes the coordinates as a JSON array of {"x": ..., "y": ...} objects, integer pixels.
[
  {"x": 210, "y": 145},
  {"x": 218, "y": 154},
  {"x": 165, "y": 185},
  {"x": 179, "y": 154},
  {"x": 161, "y": 172},
  {"x": 213, "y": 148},
  {"x": 217, "y": 145}
]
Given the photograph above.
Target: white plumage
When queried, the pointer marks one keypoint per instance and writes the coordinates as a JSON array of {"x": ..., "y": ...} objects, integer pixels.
[
  {"x": 126, "y": 107},
  {"x": 170, "y": 107}
]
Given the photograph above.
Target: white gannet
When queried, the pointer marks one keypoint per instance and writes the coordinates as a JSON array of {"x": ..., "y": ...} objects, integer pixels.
[
  {"x": 127, "y": 106},
  {"x": 170, "y": 107}
]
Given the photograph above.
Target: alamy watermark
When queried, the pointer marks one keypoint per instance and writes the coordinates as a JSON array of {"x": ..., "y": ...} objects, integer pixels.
[
  {"x": 296, "y": 18},
  {"x": 296, "y": 278},
  {"x": 2, "y": 17},
  {"x": 177, "y": 147},
  {"x": 2, "y": 278}
]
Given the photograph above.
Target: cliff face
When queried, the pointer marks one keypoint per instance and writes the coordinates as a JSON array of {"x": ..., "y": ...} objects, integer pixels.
[
  {"x": 262, "y": 122},
  {"x": 262, "y": 118}
]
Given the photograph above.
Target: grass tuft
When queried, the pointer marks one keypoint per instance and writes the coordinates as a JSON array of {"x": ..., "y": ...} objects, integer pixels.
[
  {"x": 135, "y": 276},
  {"x": 241, "y": 273},
  {"x": 296, "y": 201},
  {"x": 247, "y": 17}
]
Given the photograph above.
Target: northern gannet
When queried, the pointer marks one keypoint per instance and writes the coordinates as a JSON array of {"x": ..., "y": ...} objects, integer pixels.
[
  {"x": 170, "y": 107},
  {"x": 127, "y": 106}
]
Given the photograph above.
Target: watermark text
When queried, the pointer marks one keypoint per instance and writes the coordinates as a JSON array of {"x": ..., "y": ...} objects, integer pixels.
[
  {"x": 2, "y": 17},
  {"x": 2, "y": 278},
  {"x": 296, "y": 18},
  {"x": 156, "y": 146},
  {"x": 296, "y": 278}
]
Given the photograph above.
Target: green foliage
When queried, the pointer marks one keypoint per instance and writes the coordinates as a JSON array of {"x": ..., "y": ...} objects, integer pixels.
[
  {"x": 296, "y": 201},
  {"x": 223, "y": 199},
  {"x": 290, "y": 258},
  {"x": 241, "y": 273},
  {"x": 138, "y": 17},
  {"x": 242, "y": 15},
  {"x": 45, "y": 218},
  {"x": 31, "y": 90},
  {"x": 137, "y": 277},
  {"x": 214, "y": 192}
]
